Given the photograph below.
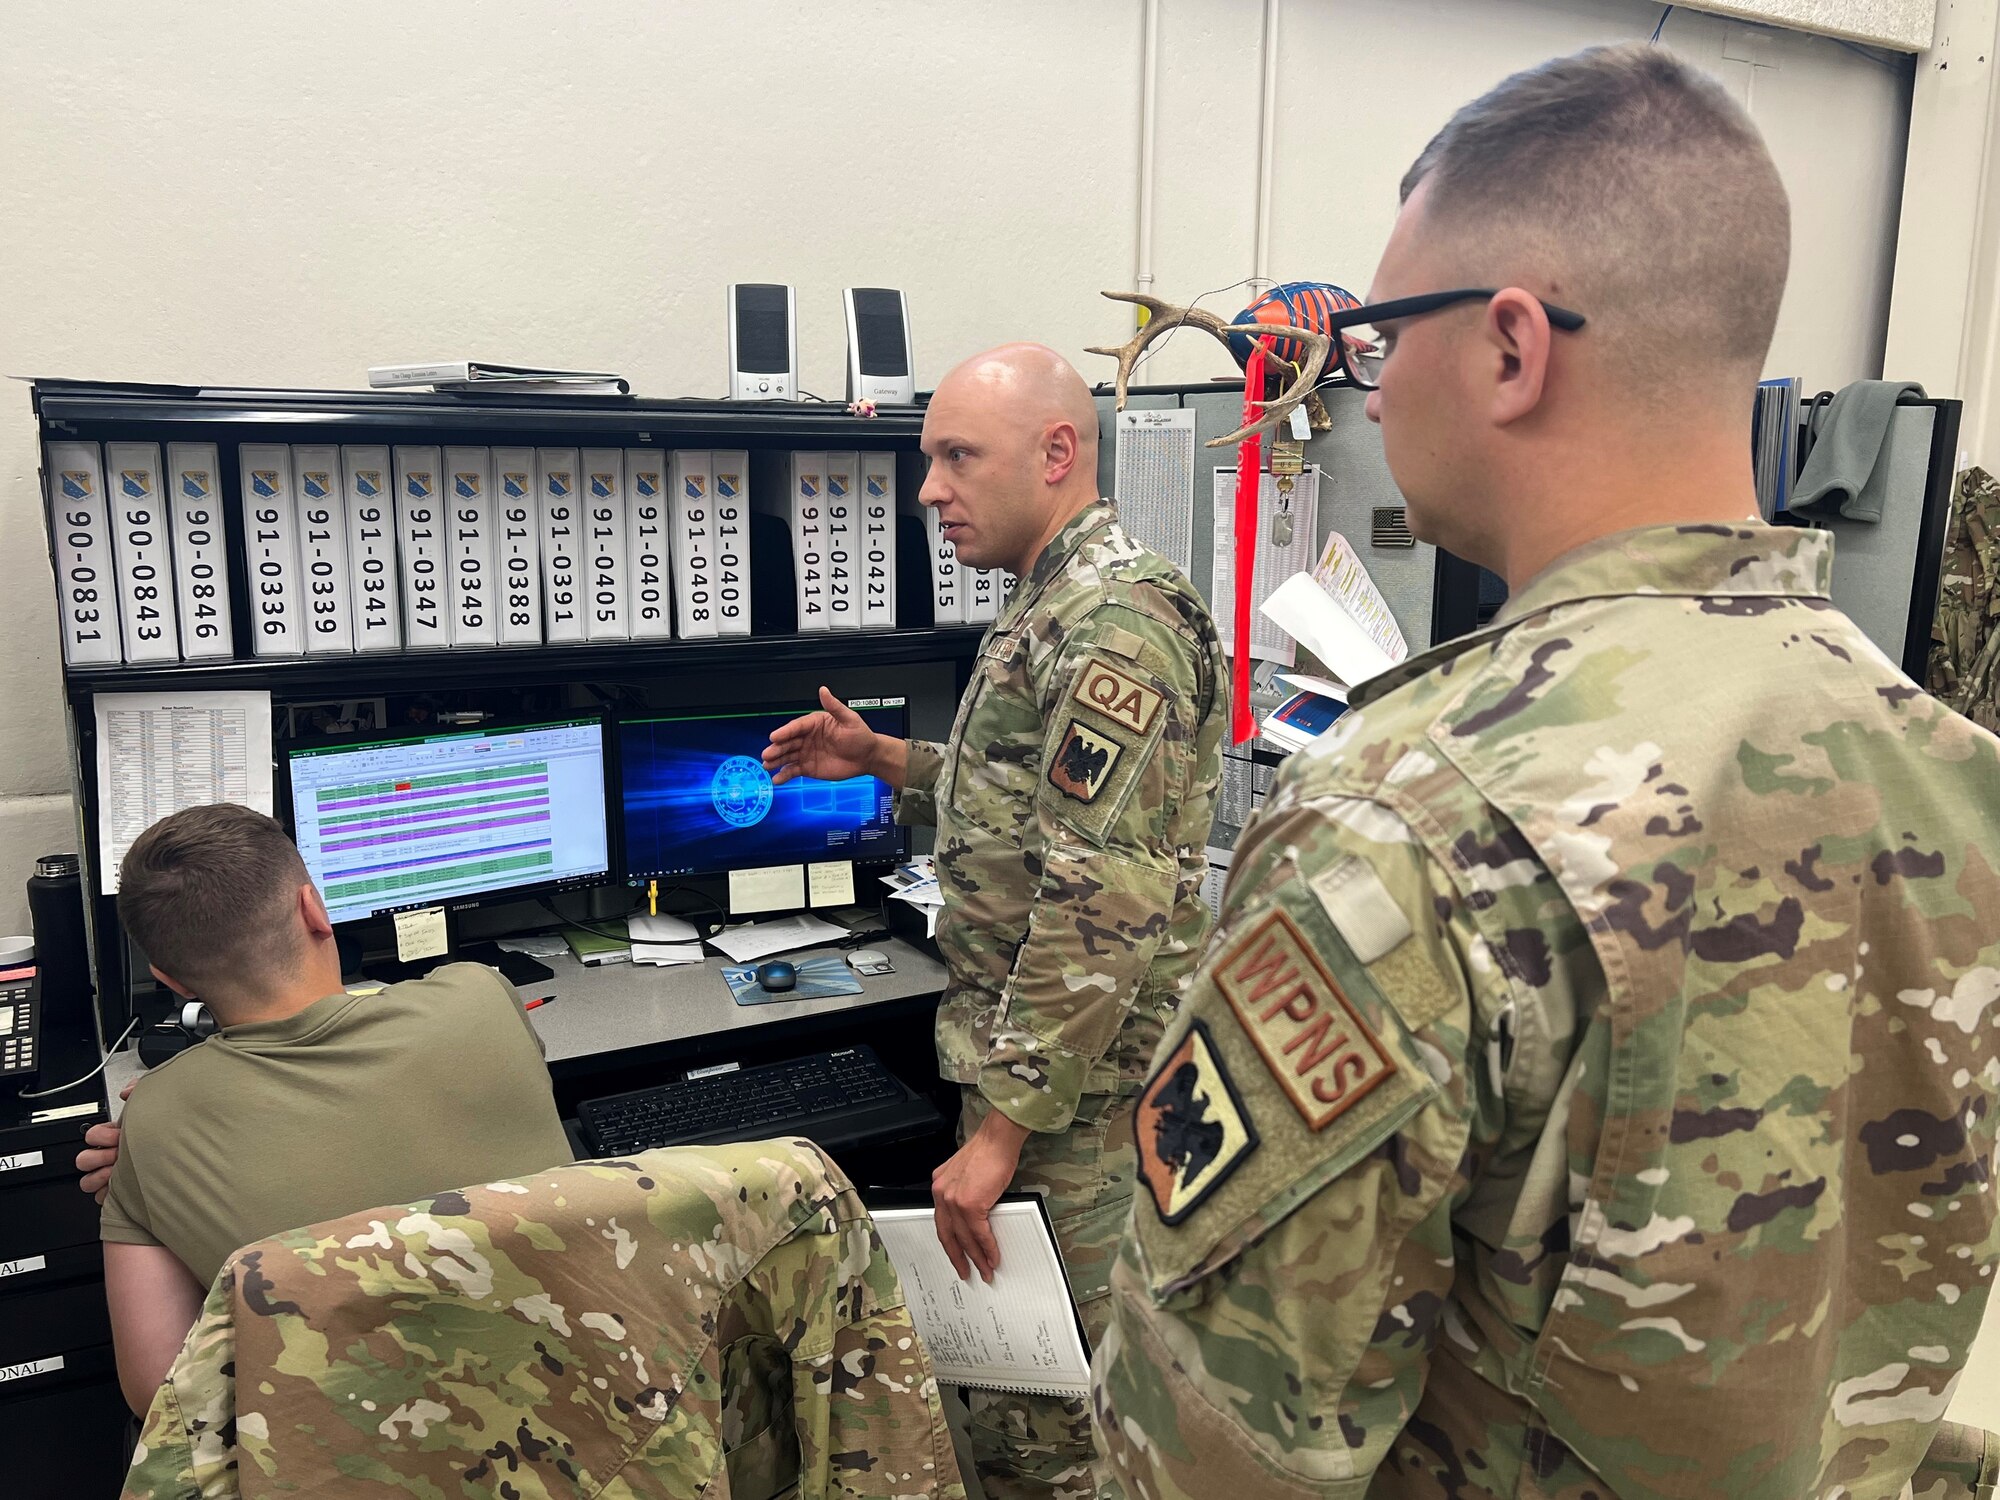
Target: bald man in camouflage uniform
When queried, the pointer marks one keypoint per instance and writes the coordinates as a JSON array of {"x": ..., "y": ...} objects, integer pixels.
[
  {"x": 1072, "y": 803},
  {"x": 1589, "y": 1090}
]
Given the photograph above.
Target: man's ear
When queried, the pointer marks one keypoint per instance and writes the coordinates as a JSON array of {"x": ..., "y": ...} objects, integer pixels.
[
  {"x": 171, "y": 983},
  {"x": 1060, "y": 447},
  {"x": 312, "y": 910},
  {"x": 1518, "y": 340}
]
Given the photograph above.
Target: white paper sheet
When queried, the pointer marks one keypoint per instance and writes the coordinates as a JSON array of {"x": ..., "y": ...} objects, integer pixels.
[
  {"x": 1308, "y": 614},
  {"x": 1342, "y": 574},
  {"x": 1017, "y": 1333},
  {"x": 759, "y": 940},
  {"x": 1274, "y": 563},
  {"x": 160, "y": 752},
  {"x": 768, "y": 888},
  {"x": 665, "y": 954}
]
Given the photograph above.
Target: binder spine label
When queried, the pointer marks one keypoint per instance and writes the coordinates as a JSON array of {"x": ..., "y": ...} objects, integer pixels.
[
  {"x": 946, "y": 598},
  {"x": 562, "y": 544},
  {"x": 604, "y": 517},
  {"x": 270, "y": 543},
  {"x": 843, "y": 599},
  {"x": 328, "y": 613},
  {"x": 469, "y": 496},
  {"x": 731, "y": 471},
  {"x": 377, "y": 587},
  {"x": 421, "y": 523},
  {"x": 520, "y": 543},
  {"x": 140, "y": 533},
  {"x": 983, "y": 592},
  {"x": 694, "y": 544},
  {"x": 647, "y": 551},
  {"x": 86, "y": 578},
  {"x": 201, "y": 569},
  {"x": 876, "y": 541},
  {"x": 809, "y": 538}
]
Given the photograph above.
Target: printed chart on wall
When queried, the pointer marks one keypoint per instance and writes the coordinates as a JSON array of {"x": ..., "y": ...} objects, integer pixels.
[
  {"x": 1287, "y": 527},
  {"x": 158, "y": 753}
]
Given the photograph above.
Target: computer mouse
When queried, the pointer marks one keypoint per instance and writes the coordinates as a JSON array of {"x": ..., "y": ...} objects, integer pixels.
[{"x": 777, "y": 976}]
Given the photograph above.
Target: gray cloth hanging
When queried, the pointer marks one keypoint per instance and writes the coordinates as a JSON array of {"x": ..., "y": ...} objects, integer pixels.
[{"x": 1844, "y": 453}]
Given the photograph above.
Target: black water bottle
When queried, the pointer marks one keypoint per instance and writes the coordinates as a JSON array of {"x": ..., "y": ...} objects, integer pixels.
[{"x": 55, "y": 906}]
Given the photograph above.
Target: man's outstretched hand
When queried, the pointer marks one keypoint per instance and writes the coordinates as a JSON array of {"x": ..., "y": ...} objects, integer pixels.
[{"x": 831, "y": 745}]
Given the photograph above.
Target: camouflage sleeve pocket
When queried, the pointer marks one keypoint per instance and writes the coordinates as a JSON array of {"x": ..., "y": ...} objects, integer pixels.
[
  {"x": 1101, "y": 743},
  {"x": 1291, "y": 1074}
]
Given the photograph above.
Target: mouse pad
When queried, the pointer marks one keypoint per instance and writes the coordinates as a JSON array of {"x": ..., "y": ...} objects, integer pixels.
[{"x": 819, "y": 979}]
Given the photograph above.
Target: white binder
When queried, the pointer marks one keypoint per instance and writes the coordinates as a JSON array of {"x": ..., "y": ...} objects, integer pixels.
[
  {"x": 647, "y": 551},
  {"x": 691, "y": 487},
  {"x": 559, "y": 483},
  {"x": 468, "y": 478},
  {"x": 86, "y": 576},
  {"x": 377, "y": 586},
  {"x": 875, "y": 543},
  {"x": 141, "y": 541},
  {"x": 730, "y": 469},
  {"x": 327, "y": 611},
  {"x": 201, "y": 567},
  {"x": 982, "y": 605},
  {"x": 426, "y": 558},
  {"x": 947, "y": 585},
  {"x": 271, "y": 546},
  {"x": 809, "y": 540},
  {"x": 843, "y": 571},
  {"x": 518, "y": 537},
  {"x": 606, "y": 576}
]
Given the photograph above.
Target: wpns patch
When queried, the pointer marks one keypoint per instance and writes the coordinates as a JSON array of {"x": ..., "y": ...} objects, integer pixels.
[
  {"x": 1192, "y": 1128},
  {"x": 1082, "y": 762},
  {"x": 1312, "y": 1039}
]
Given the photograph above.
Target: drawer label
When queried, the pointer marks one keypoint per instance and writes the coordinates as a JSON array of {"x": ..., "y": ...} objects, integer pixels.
[
  {"x": 32, "y": 1367},
  {"x": 20, "y": 1161},
  {"x": 23, "y": 1267}
]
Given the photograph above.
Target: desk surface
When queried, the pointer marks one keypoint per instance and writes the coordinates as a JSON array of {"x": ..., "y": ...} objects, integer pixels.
[{"x": 613, "y": 1007}]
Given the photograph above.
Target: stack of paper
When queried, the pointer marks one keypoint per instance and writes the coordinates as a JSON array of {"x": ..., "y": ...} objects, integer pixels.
[
  {"x": 1337, "y": 614},
  {"x": 484, "y": 375},
  {"x": 752, "y": 941},
  {"x": 915, "y": 881}
]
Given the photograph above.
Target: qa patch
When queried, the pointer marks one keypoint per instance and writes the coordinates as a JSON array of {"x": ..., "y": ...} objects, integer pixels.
[
  {"x": 1310, "y": 1036},
  {"x": 1192, "y": 1128},
  {"x": 1121, "y": 698},
  {"x": 1082, "y": 762}
]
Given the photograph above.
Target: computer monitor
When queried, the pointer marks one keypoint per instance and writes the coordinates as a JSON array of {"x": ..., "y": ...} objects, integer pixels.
[
  {"x": 698, "y": 801},
  {"x": 446, "y": 818}
]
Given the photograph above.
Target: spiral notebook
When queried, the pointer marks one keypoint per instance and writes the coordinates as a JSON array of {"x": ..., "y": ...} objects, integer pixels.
[{"x": 1020, "y": 1333}]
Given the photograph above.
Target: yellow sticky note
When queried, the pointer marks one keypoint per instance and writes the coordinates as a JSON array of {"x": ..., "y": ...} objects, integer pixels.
[
  {"x": 420, "y": 934},
  {"x": 772, "y": 888},
  {"x": 831, "y": 884}
]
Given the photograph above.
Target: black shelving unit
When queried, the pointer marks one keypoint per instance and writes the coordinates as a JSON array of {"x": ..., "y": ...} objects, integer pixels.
[{"x": 101, "y": 412}]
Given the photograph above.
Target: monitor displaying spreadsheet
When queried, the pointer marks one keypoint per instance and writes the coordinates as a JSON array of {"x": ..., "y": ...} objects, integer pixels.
[{"x": 449, "y": 818}]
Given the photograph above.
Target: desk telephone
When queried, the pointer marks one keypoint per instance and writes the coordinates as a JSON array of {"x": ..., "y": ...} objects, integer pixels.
[{"x": 20, "y": 1022}]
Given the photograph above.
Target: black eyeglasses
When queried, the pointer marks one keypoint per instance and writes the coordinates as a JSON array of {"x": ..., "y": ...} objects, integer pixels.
[{"x": 1359, "y": 346}]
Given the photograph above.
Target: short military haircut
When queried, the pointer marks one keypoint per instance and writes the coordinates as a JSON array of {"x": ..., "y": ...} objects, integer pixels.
[
  {"x": 1639, "y": 189},
  {"x": 208, "y": 894}
]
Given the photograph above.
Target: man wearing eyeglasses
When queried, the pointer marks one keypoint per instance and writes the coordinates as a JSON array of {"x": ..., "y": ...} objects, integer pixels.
[{"x": 1589, "y": 1088}]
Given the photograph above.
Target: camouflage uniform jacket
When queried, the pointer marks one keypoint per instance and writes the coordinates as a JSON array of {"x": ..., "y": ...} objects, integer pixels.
[
  {"x": 1589, "y": 1090},
  {"x": 1073, "y": 806},
  {"x": 715, "y": 1320},
  {"x": 1965, "y": 636}
]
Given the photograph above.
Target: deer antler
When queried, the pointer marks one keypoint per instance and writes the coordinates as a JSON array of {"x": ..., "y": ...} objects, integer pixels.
[{"x": 1166, "y": 316}]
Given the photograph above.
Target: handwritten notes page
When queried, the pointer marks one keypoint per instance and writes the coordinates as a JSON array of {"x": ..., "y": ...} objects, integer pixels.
[{"x": 1017, "y": 1334}]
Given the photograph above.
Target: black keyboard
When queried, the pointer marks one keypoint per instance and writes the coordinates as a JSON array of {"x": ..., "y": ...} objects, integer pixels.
[{"x": 832, "y": 1098}]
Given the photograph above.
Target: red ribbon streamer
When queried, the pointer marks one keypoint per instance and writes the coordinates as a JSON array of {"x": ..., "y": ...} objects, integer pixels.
[{"x": 1249, "y": 483}]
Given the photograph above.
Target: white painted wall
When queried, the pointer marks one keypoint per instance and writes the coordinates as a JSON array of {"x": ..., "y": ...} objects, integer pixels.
[{"x": 234, "y": 191}]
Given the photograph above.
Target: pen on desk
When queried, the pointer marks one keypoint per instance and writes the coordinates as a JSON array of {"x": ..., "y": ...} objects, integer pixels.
[{"x": 531, "y": 1004}]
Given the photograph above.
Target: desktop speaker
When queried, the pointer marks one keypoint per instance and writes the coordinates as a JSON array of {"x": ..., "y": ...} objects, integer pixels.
[
  {"x": 763, "y": 342},
  {"x": 878, "y": 346}
]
